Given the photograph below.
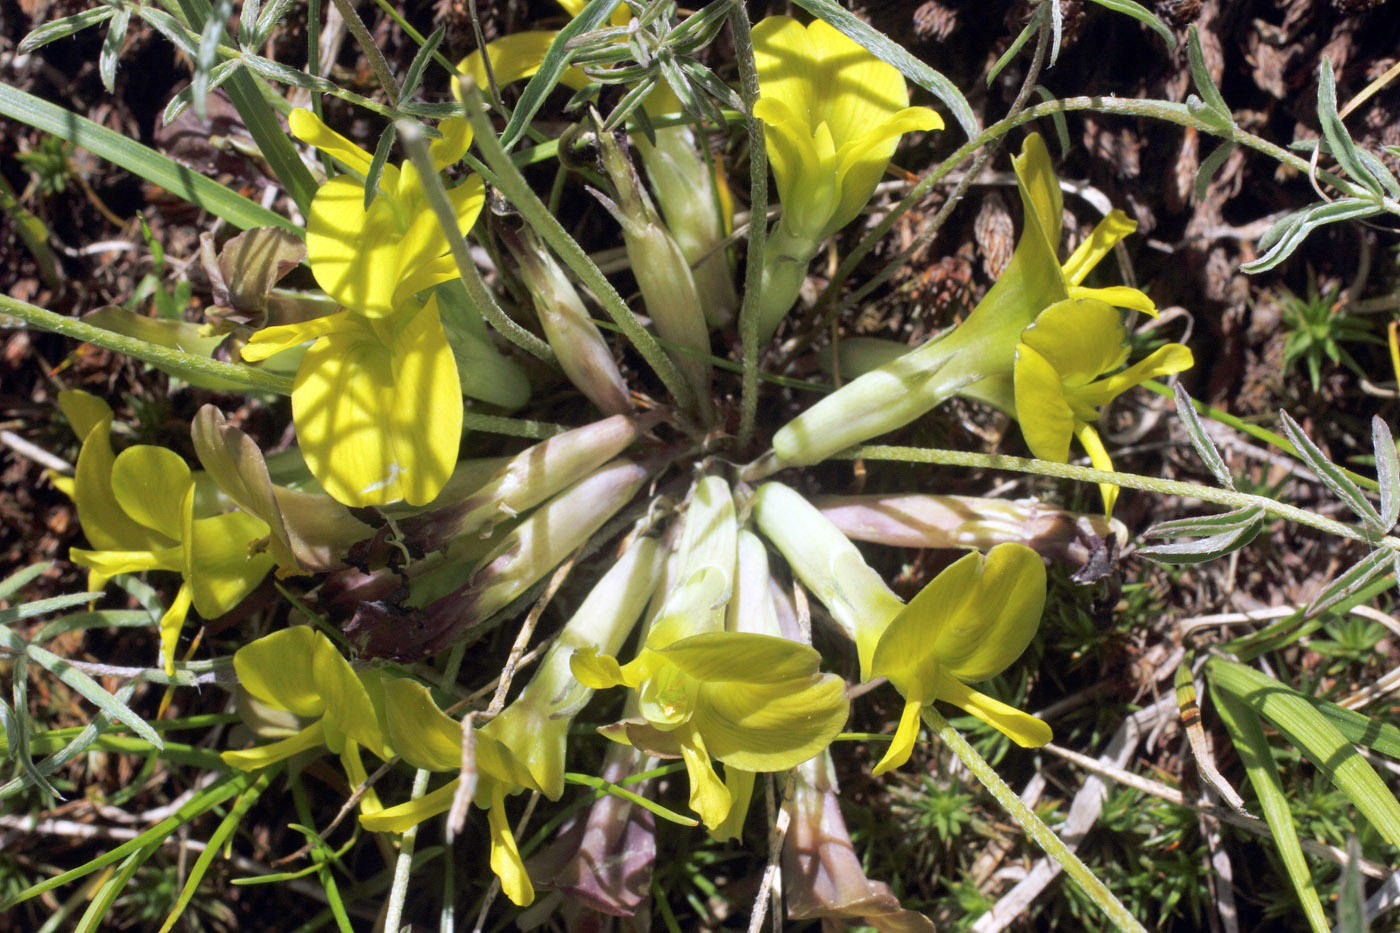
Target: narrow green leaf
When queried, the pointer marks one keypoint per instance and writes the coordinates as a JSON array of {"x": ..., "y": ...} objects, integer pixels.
[
  {"x": 1143, "y": 15},
  {"x": 1314, "y": 735},
  {"x": 286, "y": 74},
  {"x": 891, "y": 52},
  {"x": 22, "y": 578},
  {"x": 102, "y": 900},
  {"x": 1200, "y": 76},
  {"x": 1351, "y": 898},
  {"x": 63, "y": 28},
  {"x": 92, "y": 691},
  {"x": 376, "y": 164},
  {"x": 1199, "y": 525},
  {"x": 216, "y": 841},
  {"x": 217, "y": 76},
  {"x": 1375, "y": 734},
  {"x": 1330, "y": 474},
  {"x": 556, "y": 61},
  {"x": 18, "y": 749},
  {"x": 1289, "y": 232},
  {"x": 1199, "y": 550},
  {"x": 1247, "y": 734},
  {"x": 414, "y": 75},
  {"x": 1016, "y": 45},
  {"x": 1358, "y": 575},
  {"x": 82, "y": 740},
  {"x": 140, "y": 160},
  {"x": 168, "y": 26},
  {"x": 170, "y": 360},
  {"x": 112, "y": 49},
  {"x": 266, "y": 22},
  {"x": 208, "y": 52},
  {"x": 1209, "y": 166},
  {"x": 40, "y": 607},
  {"x": 260, "y": 119},
  {"x": 608, "y": 787},
  {"x": 78, "y": 621},
  {"x": 1205, "y": 447},
  {"x": 1338, "y": 138},
  {"x": 1387, "y": 472},
  {"x": 247, "y": 19},
  {"x": 203, "y": 801},
  {"x": 1380, "y": 172}
]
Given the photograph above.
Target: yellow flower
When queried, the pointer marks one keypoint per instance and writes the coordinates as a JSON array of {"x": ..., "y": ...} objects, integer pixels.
[
  {"x": 966, "y": 626},
  {"x": 834, "y": 114},
  {"x": 1058, "y": 389},
  {"x": 372, "y": 260},
  {"x": 138, "y": 510},
  {"x": 377, "y": 402},
  {"x": 754, "y": 702},
  {"x": 977, "y": 358},
  {"x": 429, "y": 739},
  {"x": 298, "y": 670}
]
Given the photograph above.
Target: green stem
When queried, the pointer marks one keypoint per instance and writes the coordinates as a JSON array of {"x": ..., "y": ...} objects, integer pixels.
[
  {"x": 758, "y": 230},
  {"x": 1253, "y": 430},
  {"x": 1042, "y": 835},
  {"x": 411, "y": 133},
  {"x": 370, "y": 49},
  {"x": 511, "y": 427},
  {"x": 173, "y": 361},
  {"x": 1166, "y": 487},
  {"x": 517, "y": 190},
  {"x": 398, "y": 891},
  {"x": 1165, "y": 111}
]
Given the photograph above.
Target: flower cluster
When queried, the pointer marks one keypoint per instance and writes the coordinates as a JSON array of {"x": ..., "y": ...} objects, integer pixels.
[{"x": 417, "y": 551}]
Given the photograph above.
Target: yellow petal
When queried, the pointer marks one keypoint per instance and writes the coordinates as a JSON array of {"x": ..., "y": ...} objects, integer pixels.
[
  {"x": 902, "y": 745},
  {"x": 354, "y": 253},
  {"x": 708, "y": 795},
  {"x": 595, "y": 671},
  {"x": 739, "y": 783},
  {"x": 1022, "y": 728},
  {"x": 221, "y": 565},
  {"x": 107, "y": 525},
  {"x": 1120, "y": 296},
  {"x": 310, "y": 129},
  {"x": 1099, "y": 244},
  {"x": 261, "y": 756},
  {"x": 110, "y": 563},
  {"x": 418, "y": 730},
  {"x": 862, "y": 160},
  {"x": 342, "y": 403},
  {"x": 514, "y": 58},
  {"x": 1080, "y": 339},
  {"x": 1098, "y": 456},
  {"x": 456, "y": 138},
  {"x": 150, "y": 483},
  {"x": 505, "y": 857},
  {"x": 1045, "y": 417},
  {"x": 1003, "y": 619},
  {"x": 1173, "y": 358},
  {"x": 425, "y": 420},
  {"x": 170, "y": 625},
  {"x": 349, "y": 714},
  {"x": 770, "y": 727},
  {"x": 410, "y": 814},
  {"x": 273, "y": 340},
  {"x": 912, "y": 636},
  {"x": 275, "y": 669}
]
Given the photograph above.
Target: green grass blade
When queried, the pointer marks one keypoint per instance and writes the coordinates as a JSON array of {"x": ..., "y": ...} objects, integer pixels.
[
  {"x": 37, "y": 608},
  {"x": 1248, "y": 735},
  {"x": 1316, "y": 737},
  {"x": 200, "y": 803},
  {"x": 63, "y": 28},
  {"x": 101, "y": 902},
  {"x": 216, "y": 842},
  {"x": 139, "y": 160}
]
